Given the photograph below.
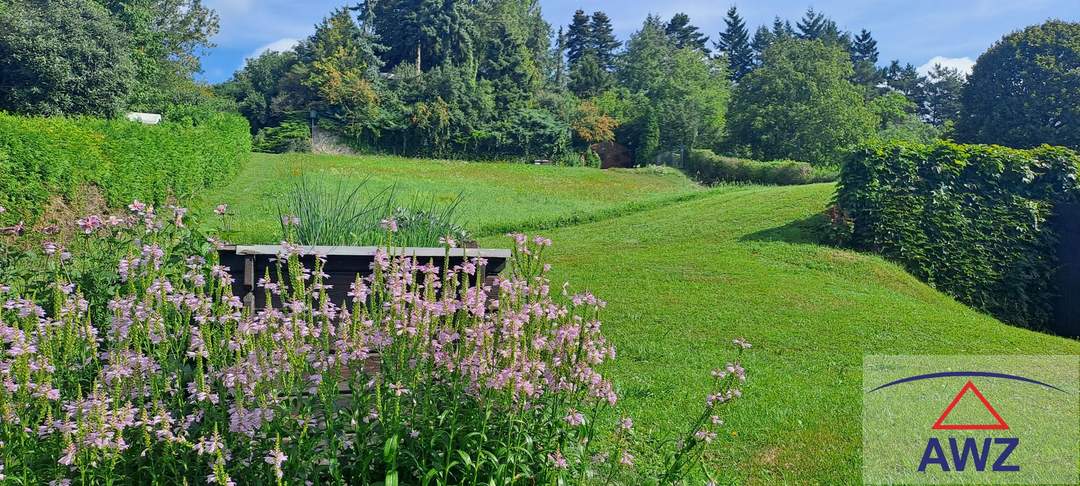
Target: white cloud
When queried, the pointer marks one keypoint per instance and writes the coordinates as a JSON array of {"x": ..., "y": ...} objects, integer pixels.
[
  {"x": 280, "y": 45},
  {"x": 962, "y": 64}
]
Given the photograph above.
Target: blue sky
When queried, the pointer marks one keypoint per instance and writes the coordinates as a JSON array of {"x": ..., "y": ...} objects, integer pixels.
[{"x": 916, "y": 31}]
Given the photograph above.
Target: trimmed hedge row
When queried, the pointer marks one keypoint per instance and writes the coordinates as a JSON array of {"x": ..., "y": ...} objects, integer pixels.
[
  {"x": 42, "y": 157},
  {"x": 708, "y": 168},
  {"x": 975, "y": 221}
]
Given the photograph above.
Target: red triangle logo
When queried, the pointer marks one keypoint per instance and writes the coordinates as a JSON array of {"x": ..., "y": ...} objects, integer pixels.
[{"x": 941, "y": 425}]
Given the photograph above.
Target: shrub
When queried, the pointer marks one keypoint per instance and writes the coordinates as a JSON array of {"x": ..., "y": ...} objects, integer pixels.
[
  {"x": 422, "y": 377},
  {"x": 592, "y": 159},
  {"x": 708, "y": 168},
  {"x": 971, "y": 220},
  {"x": 42, "y": 157},
  {"x": 290, "y": 136}
]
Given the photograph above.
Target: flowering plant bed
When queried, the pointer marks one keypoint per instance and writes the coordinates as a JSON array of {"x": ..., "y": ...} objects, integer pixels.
[{"x": 127, "y": 359}]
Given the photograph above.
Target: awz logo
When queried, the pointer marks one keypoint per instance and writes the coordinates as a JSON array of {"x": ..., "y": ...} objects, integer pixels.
[
  {"x": 934, "y": 455},
  {"x": 959, "y": 454}
]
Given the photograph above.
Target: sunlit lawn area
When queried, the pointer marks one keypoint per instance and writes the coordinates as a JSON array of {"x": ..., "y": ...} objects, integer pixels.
[
  {"x": 497, "y": 197},
  {"x": 681, "y": 281},
  {"x": 683, "y": 277}
]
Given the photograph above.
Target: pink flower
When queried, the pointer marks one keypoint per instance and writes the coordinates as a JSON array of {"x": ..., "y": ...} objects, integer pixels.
[
  {"x": 389, "y": 224},
  {"x": 627, "y": 423},
  {"x": 574, "y": 417},
  {"x": 398, "y": 389},
  {"x": 69, "y": 455},
  {"x": 705, "y": 435},
  {"x": 740, "y": 343},
  {"x": 627, "y": 459},
  {"x": 221, "y": 209},
  {"x": 276, "y": 458},
  {"x": 558, "y": 460},
  {"x": 178, "y": 216}
]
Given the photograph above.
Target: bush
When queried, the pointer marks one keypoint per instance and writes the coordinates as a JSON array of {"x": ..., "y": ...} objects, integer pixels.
[
  {"x": 708, "y": 168},
  {"x": 422, "y": 377},
  {"x": 971, "y": 220},
  {"x": 63, "y": 57},
  {"x": 290, "y": 136},
  {"x": 42, "y": 157}
]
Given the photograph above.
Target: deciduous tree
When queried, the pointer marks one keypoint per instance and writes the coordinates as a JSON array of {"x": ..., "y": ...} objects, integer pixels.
[
  {"x": 1025, "y": 90},
  {"x": 63, "y": 57},
  {"x": 800, "y": 105}
]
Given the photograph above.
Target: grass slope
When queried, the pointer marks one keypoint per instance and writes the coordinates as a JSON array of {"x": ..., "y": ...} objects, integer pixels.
[
  {"x": 498, "y": 197},
  {"x": 682, "y": 280}
]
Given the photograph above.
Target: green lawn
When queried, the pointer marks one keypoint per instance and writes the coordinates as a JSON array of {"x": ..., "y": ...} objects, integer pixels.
[
  {"x": 682, "y": 280},
  {"x": 497, "y": 197},
  {"x": 686, "y": 272}
]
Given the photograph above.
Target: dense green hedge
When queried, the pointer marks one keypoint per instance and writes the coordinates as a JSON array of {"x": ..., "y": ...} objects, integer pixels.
[
  {"x": 706, "y": 167},
  {"x": 975, "y": 221},
  {"x": 40, "y": 157}
]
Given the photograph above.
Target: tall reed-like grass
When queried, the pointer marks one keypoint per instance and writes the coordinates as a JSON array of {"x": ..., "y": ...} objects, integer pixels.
[{"x": 317, "y": 214}]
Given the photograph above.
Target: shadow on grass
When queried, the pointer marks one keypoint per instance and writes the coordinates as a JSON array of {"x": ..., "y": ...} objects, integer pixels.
[{"x": 809, "y": 230}]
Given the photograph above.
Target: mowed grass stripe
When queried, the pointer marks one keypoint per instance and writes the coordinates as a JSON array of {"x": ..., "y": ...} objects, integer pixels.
[{"x": 682, "y": 280}]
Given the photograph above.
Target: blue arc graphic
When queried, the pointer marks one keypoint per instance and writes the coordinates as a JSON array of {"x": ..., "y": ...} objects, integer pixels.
[{"x": 950, "y": 374}]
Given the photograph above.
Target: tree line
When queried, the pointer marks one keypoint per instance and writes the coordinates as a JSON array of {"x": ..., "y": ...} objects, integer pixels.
[{"x": 491, "y": 79}]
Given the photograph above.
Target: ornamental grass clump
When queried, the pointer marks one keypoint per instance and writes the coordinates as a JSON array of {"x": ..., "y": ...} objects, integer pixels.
[{"x": 420, "y": 377}]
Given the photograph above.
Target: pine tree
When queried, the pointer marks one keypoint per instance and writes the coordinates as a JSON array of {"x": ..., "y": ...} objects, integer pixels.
[
  {"x": 781, "y": 29},
  {"x": 864, "y": 57},
  {"x": 864, "y": 48},
  {"x": 577, "y": 38},
  {"x": 507, "y": 65},
  {"x": 588, "y": 78},
  {"x": 602, "y": 40},
  {"x": 427, "y": 33},
  {"x": 813, "y": 25},
  {"x": 816, "y": 26},
  {"x": 941, "y": 91},
  {"x": 905, "y": 79},
  {"x": 560, "y": 56},
  {"x": 734, "y": 42},
  {"x": 763, "y": 37},
  {"x": 684, "y": 34}
]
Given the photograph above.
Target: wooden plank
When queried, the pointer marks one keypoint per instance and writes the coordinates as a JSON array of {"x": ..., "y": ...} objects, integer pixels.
[{"x": 370, "y": 251}]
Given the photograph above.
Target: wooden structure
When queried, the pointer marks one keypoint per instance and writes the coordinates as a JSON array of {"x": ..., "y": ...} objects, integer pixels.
[
  {"x": 613, "y": 155},
  {"x": 247, "y": 264}
]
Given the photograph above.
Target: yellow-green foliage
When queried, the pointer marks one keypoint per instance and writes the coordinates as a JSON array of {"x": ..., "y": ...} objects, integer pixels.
[
  {"x": 709, "y": 168},
  {"x": 40, "y": 157}
]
